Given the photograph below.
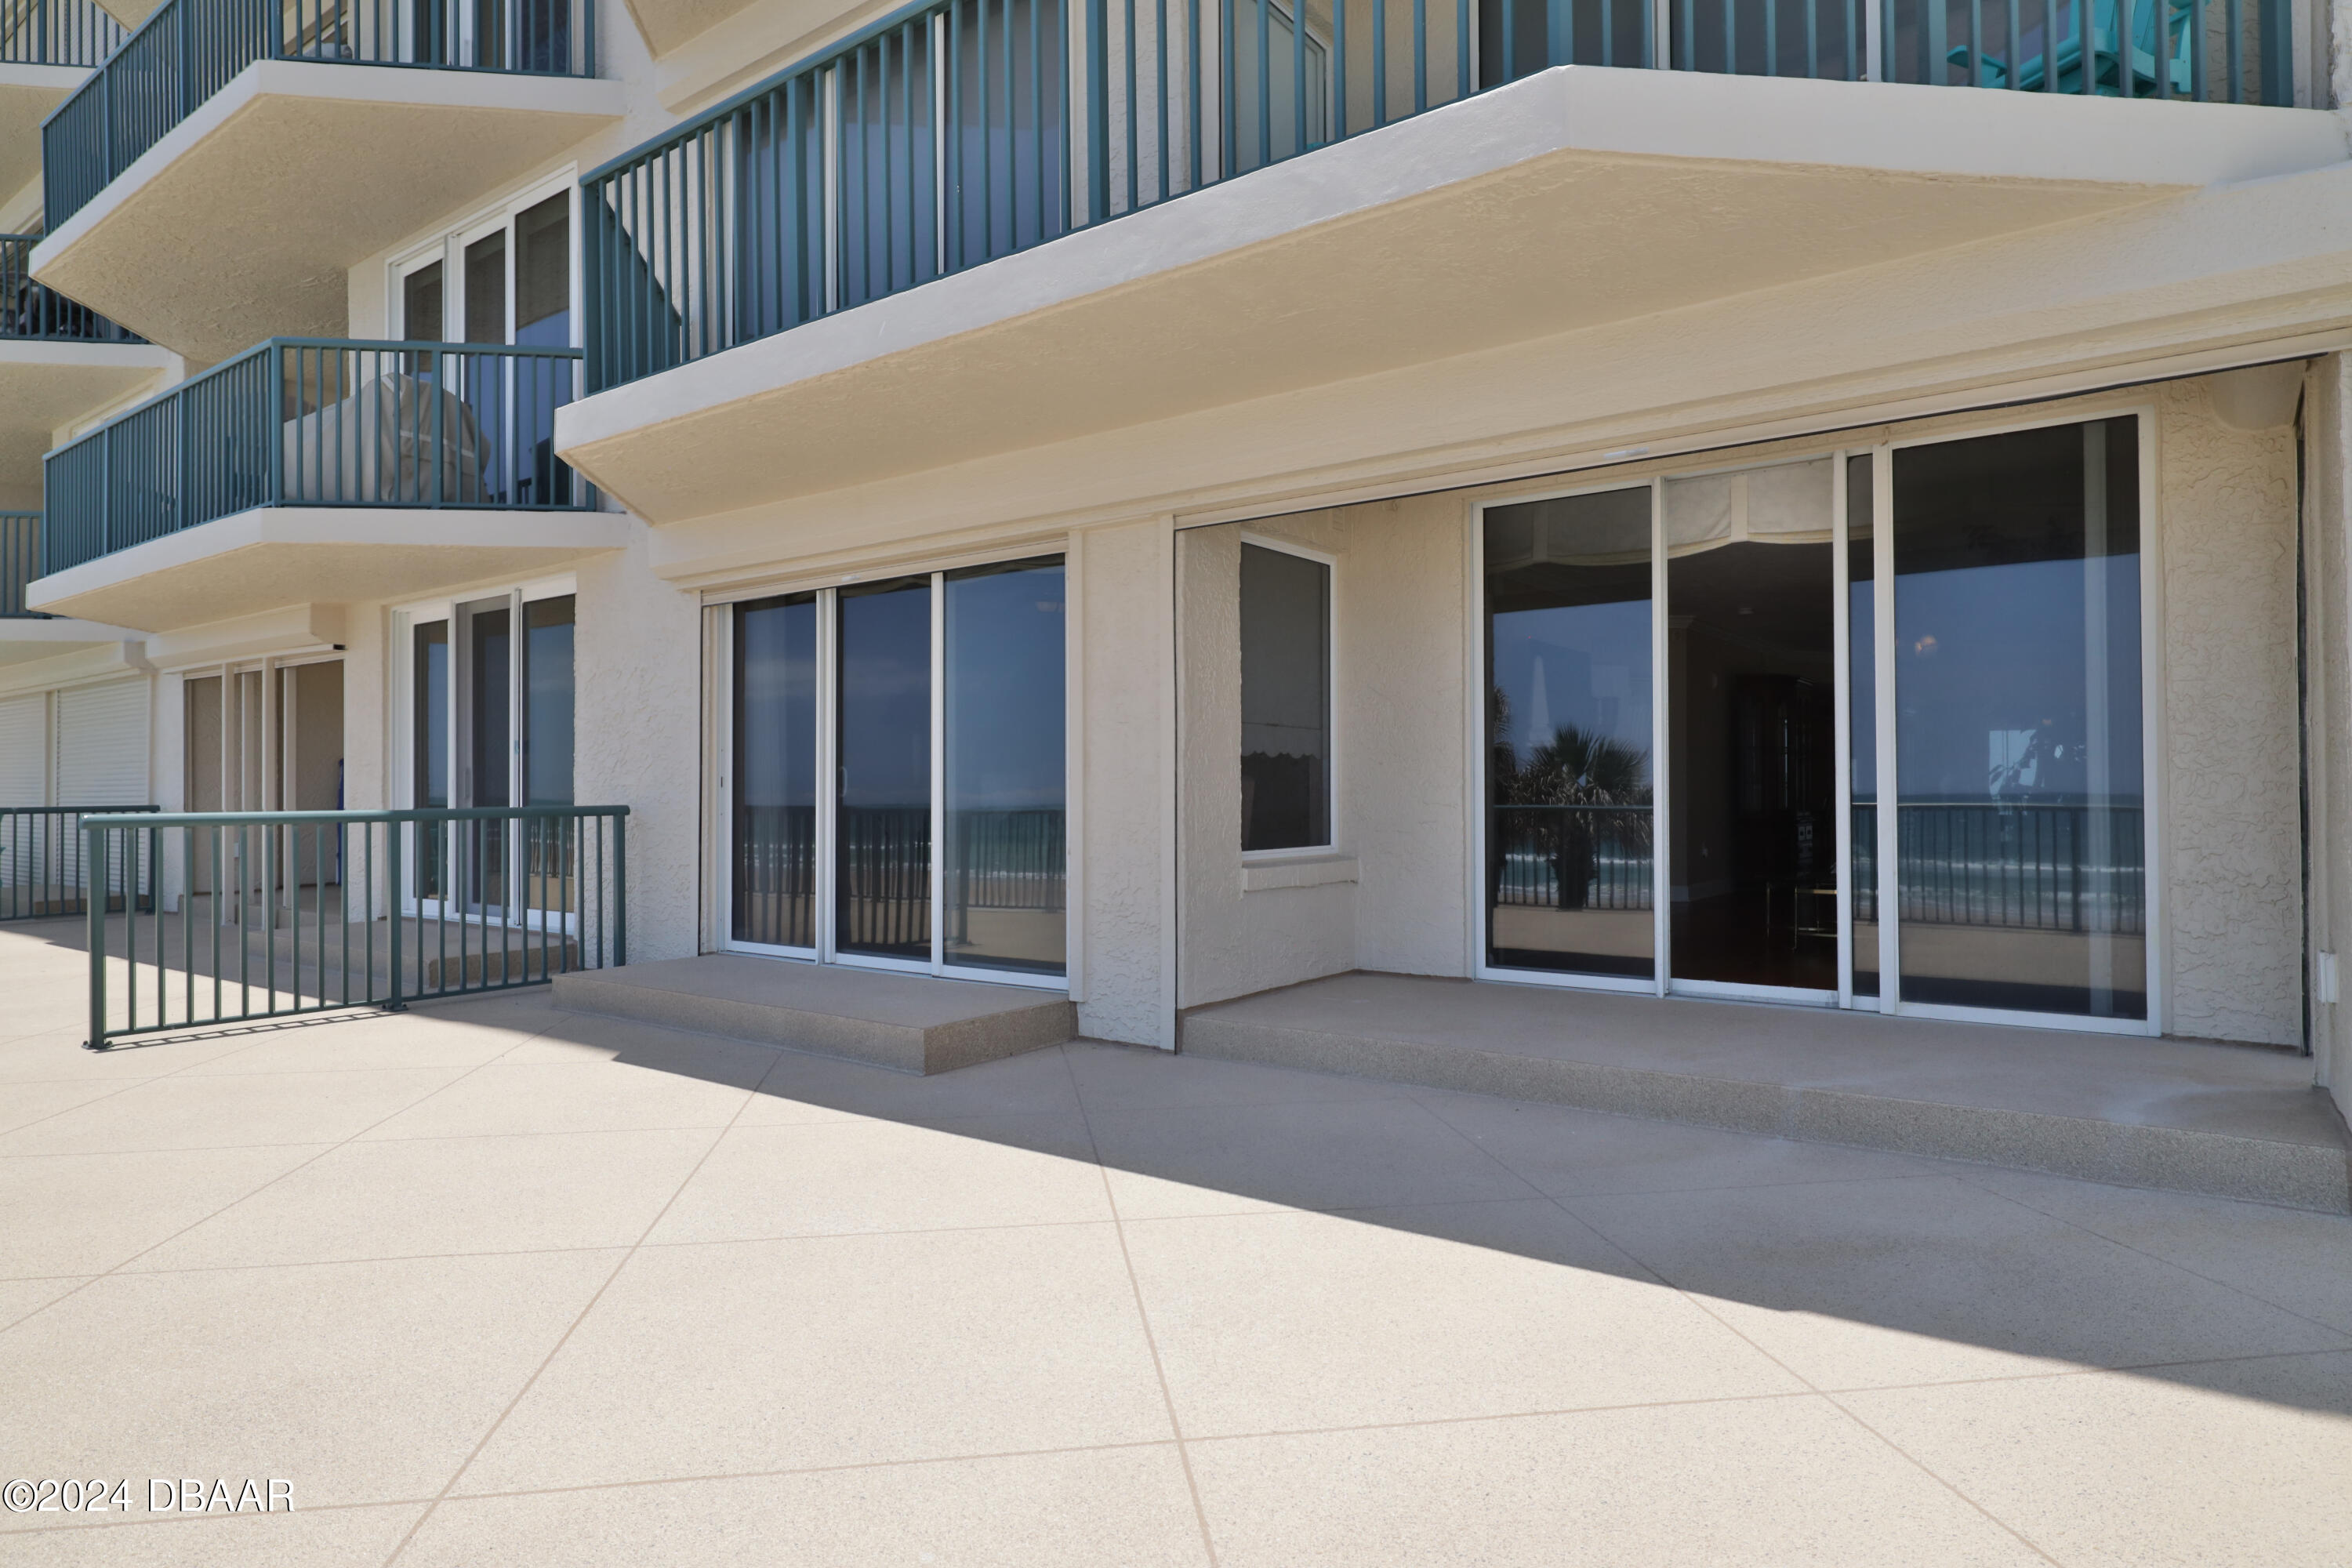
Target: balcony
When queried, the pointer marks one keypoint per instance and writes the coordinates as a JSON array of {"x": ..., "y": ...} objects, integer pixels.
[
  {"x": 59, "y": 361},
  {"x": 869, "y": 185},
  {"x": 26, "y": 635},
  {"x": 295, "y": 140},
  {"x": 47, "y": 48},
  {"x": 318, "y": 471}
]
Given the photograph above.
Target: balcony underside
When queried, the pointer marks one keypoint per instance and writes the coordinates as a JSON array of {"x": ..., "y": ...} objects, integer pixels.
[
  {"x": 275, "y": 556},
  {"x": 48, "y": 383},
  {"x": 1572, "y": 199},
  {"x": 27, "y": 93},
  {"x": 266, "y": 194},
  {"x": 24, "y": 640}
]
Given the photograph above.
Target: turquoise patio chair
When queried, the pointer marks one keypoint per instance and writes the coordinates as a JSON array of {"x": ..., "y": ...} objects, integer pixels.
[{"x": 2063, "y": 72}]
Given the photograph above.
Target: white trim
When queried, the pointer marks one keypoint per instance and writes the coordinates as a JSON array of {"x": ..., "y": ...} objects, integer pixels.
[
  {"x": 1333, "y": 837},
  {"x": 938, "y": 747},
  {"x": 1736, "y": 991}
]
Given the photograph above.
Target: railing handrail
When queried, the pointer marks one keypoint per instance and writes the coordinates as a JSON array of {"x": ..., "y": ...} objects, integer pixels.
[
  {"x": 766, "y": 211},
  {"x": 266, "y": 30},
  {"x": 371, "y": 346},
  {"x": 154, "y": 816}
]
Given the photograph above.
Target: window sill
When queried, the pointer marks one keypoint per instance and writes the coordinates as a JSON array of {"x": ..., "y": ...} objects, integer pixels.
[{"x": 1263, "y": 875}]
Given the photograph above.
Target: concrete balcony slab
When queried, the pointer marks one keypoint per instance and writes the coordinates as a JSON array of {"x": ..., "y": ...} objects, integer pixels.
[
  {"x": 2225, "y": 1121},
  {"x": 911, "y": 1023},
  {"x": 270, "y": 191},
  {"x": 27, "y": 93},
  {"x": 28, "y": 637},
  {"x": 46, "y": 384},
  {"x": 1576, "y": 198},
  {"x": 272, "y": 557}
]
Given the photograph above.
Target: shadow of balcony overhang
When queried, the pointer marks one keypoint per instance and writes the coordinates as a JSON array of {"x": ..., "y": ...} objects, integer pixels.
[
  {"x": 1572, "y": 199},
  {"x": 273, "y": 556},
  {"x": 27, "y": 93},
  {"x": 49, "y": 382},
  {"x": 289, "y": 176}
]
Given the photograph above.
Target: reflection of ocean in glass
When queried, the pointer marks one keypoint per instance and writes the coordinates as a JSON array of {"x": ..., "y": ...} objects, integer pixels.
[
  {"x": 1004, "y": 884},
  {"x": 2021, "y": 865},
  {"x": 773, "y": 839},
  {"x": 1570, "y": 857},
  {"x": 882, "y": 902}
]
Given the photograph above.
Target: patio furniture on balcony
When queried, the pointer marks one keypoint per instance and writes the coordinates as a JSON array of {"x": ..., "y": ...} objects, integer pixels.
[{"x": 319, "y": 423}]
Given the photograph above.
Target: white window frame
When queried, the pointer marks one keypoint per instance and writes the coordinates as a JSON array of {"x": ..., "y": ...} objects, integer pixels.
[
  {"x": 2156, "y": 829},
  {"x": 405, "y": 619},
  {"x": 718, "y": 634},
  {"x": 1335, "y": 834},
  {"x": 448, "y": 247}
]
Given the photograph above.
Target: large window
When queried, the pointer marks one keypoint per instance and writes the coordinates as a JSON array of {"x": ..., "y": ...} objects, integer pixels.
[
  {"x": 1699, "y": 688},
  {"x": 1286, "y": 616},
  {"x": 934, "y": 705},
  {"x": 489, "y": 722}
]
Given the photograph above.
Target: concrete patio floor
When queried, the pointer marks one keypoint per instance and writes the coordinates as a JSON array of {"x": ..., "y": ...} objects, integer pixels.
[{"x": 492, "y": 1284}]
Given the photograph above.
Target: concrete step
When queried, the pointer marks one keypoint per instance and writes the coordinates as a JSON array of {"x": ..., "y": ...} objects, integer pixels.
[
  {"x": 912, "y": 1023},
  {"x": 2230, "y": 1121}
]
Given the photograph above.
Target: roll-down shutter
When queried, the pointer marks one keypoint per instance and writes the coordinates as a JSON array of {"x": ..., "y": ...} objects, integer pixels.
[{"x": 102, "y": 745}]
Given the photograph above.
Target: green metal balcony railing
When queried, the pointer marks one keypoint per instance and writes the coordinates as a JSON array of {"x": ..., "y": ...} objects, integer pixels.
[
  {"x": 56, "y": 33},
  {"x": 190, "y": 50},
  {"x": 43, "y": 871},
  {"x": 319, "y": 422},
  {"x": 30, "y": 310},
  {"x": 254, "y": 915},
  {"x": 20, "y": 562},
  {"x": 955, "y": 131}
]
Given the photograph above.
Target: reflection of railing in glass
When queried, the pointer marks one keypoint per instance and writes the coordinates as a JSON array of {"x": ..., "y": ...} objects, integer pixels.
[
  {"x": 1571, "y": 857},
  {"x": 1008, "y": 860},
  {"x": 775, "y": 875},
  {"x": 884, "y": 898},
  {"x": 2020, "y": 866}
]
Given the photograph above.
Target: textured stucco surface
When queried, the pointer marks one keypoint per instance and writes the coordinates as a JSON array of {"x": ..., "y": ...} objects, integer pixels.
[
  {"x": 1235, "y": 942},
  {"x": 1127, "y": 992},
  {"x": 2228, "y": 500},
  {"x": 1402, "y": 649},
  {"x": 639, "y": 739}
]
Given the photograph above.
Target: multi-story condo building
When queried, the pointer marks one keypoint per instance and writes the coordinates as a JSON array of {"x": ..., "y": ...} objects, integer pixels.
[{"x": 1834, "y": 503}]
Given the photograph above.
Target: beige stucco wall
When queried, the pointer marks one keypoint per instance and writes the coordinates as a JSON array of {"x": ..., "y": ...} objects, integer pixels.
[
  {"x": 1125, "y": 983},
  {"x": 637, "y": 737},
  {"x": 2227, "y": 501},
  {"x": 1232, "y": 938}
]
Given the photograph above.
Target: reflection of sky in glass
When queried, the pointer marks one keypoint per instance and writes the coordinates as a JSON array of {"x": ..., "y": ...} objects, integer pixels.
[
  {"x": 775, "y": 698},
  {"x": 1586, "y": 666},
  {"x": 886, "y": 697},
  {"x": 1994, "y": 685},
  {"x": 1004, "y": 701}
]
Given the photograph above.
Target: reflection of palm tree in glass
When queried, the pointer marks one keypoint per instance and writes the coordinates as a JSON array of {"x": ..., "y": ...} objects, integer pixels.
[{"x": 1603, "y": 783}]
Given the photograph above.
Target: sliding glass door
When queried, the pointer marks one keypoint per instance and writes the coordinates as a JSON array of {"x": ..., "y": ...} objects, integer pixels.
[
  {"x": 1693, "y": 687},
  {"x": 894, "y": 774}
]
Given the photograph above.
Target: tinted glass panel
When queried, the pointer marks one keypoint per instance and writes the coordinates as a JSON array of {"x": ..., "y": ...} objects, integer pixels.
[
  {"x": 2017, "y": 648},
  {"x": 775, "y": 806},
  {"x": 1569, "y": 738},
  {"x": 543, "y": 274},
  {"x": 883, "y": 891},
  {"x": 547, "y": 701},
  {"x": 420, "y": 305},
  {"x": 1751, "y": 650},
  {"x": 486, "y": 290},
  {"x": 1862, "y": 670},
  {"x": 429, "y": 751},
  {"x": 1286, "y": 616},
  {"x": 1004, "y": 883}
]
